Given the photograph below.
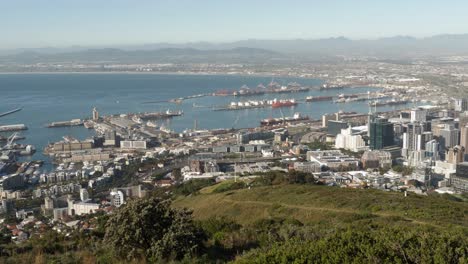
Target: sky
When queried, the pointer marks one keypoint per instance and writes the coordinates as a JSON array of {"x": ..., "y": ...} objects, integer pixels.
[{"x": 63, "y": 23}]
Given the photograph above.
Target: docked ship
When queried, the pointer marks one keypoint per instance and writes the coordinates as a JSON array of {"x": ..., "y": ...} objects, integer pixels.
[
  {"x": 390, "y": 102},
  {"x": 331, "y": 87},
  {"x": 161, "y": 115},
  {"x": 318, "y": 98},
  {"x": 73, "y": 122},
  {"x": 283, "y": 103},
  {"x": 245, "y": 90},
  {"x": 274, "y": 121},
  {"x": 223, "y": 93}
]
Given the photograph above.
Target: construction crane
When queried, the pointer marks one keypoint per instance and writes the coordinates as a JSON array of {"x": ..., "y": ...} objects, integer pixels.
[{"x": 282, "y": 116}]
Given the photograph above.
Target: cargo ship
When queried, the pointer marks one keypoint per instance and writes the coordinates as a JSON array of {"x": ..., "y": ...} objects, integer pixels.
[
  {"x": 73, "y": 122},
  {"x": 160, "y": 115},
  {"x": 223, "y": 93},
  {"x": 283, "y": 103},
  {"x": 332, "y": 87},
  {"x": 245, "y": 91},
  {"x": 275, "y": 121},
  {"x": 318, "y": 98},
  {"x": 390, "y": 102}
]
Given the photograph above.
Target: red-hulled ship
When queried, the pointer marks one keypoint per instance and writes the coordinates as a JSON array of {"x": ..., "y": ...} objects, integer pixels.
[{"x": 283, "y": 103}]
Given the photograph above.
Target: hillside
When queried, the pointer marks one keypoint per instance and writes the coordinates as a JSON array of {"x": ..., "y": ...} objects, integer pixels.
[
  {"x": 293, "y": 223},
  {"x": 313, "y": 204}
]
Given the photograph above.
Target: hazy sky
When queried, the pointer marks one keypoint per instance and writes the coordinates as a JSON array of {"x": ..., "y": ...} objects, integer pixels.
[{"x": 37, "y": 23}]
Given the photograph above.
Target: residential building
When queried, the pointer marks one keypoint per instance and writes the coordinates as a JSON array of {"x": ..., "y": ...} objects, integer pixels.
[{"x": 347, "y": 140}]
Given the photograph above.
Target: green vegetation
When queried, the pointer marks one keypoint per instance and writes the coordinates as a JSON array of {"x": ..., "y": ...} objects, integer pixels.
[
  {"x": 277, "y": 217},
  {"x": 151, "y": 229},
  {"x": 319, "y": 145},
  {"x": 364, "y": 245},
  {"x": 404, "y": 170}
]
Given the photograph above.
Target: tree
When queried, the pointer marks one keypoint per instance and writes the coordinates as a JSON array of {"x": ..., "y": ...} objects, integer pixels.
[
  {"x": 177, "y": 174},
  {"x": 150, "y": 229}
]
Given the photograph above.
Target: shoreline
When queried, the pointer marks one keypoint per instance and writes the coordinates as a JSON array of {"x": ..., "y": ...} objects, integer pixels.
[{"x": 162, "y": 73}]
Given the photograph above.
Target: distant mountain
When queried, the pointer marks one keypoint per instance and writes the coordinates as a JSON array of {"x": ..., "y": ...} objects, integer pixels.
[
  {"x": 163, "y": 55},
  {"x": 251, "y": 50}
]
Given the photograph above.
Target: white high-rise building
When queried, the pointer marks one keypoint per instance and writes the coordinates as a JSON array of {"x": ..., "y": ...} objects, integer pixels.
[
  {"x": 461, "y": 104},
  {"x": 347, "y": 140},
  {"x": 84, "y": 195}
]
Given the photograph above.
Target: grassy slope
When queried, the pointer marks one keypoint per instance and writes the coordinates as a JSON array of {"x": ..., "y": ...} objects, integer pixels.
[{"x": 325, "y": 205}]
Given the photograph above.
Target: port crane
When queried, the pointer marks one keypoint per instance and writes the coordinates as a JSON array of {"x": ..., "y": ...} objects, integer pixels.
[{"x": 9, "y": 143}]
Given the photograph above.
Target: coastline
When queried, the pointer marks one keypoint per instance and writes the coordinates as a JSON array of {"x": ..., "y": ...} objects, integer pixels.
[{"x": 165, "y": 73}]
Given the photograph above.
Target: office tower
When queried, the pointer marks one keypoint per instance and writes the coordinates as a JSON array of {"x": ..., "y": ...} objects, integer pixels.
[
  {"x": 432, "y": 150},
  {"x": 464, "y": 136},
  {"x": 418, "y": 115},
  {"x": 449, "y": 136},
  {"x": 381, "y": 133}
]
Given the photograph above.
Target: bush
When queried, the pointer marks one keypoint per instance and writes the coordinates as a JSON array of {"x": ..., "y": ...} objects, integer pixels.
[{"x": 151, "y": 229}]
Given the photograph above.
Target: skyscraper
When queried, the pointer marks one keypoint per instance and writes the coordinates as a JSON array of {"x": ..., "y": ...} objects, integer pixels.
[
  {"x": 418, "y": 115},
  {"x": 464, "y": 136},
  {"x": 449, "y": 136},
  {"x": 461, "y": 104},
  {"x": 381, "y": 133}
]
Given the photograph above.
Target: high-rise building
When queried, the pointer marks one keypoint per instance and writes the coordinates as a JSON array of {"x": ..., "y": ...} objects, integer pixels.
[
  {"x": 455, "y": 155},
  {"x": 381, "y": 133},
  {"x": 432, "y": 150},
  {"x": 412, "y": 139},
  {"x": 334, "y": 127},
  {"x": 461, "y": 104},
  {"x": 449, "y": 136},
  {"x": 347, "y": 140},
  {"x": 460, "y": 180},
  {"x": 463, "y": 119},
  {"x": 84, "y": 195},
  {"x": 464, "y": 136},
  {"x": 418, "y": 115}
]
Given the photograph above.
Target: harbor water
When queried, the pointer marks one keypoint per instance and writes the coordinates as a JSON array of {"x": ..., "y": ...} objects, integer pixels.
[{"x": 47, "y": 98}]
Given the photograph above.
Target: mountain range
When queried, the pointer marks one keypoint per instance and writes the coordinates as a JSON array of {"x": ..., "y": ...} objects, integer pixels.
[{"x": 252, "y": 50}]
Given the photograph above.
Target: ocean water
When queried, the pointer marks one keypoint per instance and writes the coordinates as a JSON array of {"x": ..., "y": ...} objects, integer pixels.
[{"x": 59, "y": 97}]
